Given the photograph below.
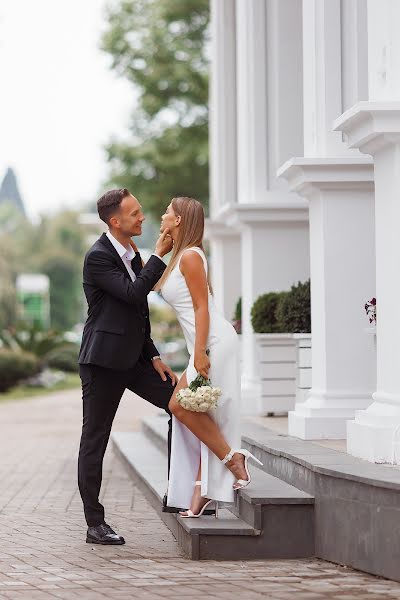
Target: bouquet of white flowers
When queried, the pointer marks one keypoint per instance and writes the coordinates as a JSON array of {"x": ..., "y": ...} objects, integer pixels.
[{"x": 200, "y": 396}]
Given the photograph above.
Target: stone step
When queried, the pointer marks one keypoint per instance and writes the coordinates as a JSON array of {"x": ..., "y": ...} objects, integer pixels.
[
  {"x": 358, "y": 502},
  {"x": 270, "y": 501},
  {"x": 255, "y": 503},
  {"x": 205, "y": 538},
  {"x": 273, "y": 518},
  {"x": 357, "y": 521},
  {"x": 156, "y": 429}
]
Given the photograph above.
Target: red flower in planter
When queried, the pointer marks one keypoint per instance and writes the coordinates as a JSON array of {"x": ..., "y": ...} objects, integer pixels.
[{"x": 370, "y": 309}]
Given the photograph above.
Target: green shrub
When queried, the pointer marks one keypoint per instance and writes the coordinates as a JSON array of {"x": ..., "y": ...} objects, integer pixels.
[
  {"x": 237, "y": 317},
  {"x": 64, "y": 359},
  {"x": 16, "y": 366},
  {"x": 33, "y": 339},
  {"x": 238, "y": 310},
  {"x": 263, "y": 313},
  {"x": 293, "y": 312}
]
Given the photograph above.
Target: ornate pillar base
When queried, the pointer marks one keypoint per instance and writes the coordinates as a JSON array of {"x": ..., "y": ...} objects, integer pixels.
[
  {"x": 373, "y": 436},
  {"x": 324, "y": 415}
]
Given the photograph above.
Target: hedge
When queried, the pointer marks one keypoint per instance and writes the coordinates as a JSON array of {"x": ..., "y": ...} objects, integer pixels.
[
  {"x": 64, "y": 359},
  {"x": 293, "y": 312},
  {"x": 263, "y": 313},
  {"x": 283, "y": 312},
  {"x": 16, "y": 366}
]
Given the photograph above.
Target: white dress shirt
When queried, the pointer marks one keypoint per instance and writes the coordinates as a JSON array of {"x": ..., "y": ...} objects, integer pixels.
[{"x": 126, "y": 254}]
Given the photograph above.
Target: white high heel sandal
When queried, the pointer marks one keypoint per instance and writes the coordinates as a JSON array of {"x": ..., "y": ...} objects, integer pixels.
[
  {"x": 190, "y": 514},
  {"x": 241, "y": 483}
]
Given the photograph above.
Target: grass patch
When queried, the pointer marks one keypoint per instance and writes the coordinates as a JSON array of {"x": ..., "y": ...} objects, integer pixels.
[{"x": 71, "y": 381}]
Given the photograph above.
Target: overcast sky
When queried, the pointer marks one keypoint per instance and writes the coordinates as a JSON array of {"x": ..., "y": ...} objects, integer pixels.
[{"x": 59, "y": 102}]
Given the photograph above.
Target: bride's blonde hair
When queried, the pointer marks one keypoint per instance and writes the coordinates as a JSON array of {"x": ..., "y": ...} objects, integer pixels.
[{"x": 190, "y": 232}]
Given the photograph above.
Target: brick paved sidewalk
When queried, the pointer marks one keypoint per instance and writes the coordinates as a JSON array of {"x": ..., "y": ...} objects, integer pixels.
[{"x": 43, "y": 553}]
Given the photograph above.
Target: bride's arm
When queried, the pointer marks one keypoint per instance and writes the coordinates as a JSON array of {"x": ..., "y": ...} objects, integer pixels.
[{"x": 192, "y": 268}]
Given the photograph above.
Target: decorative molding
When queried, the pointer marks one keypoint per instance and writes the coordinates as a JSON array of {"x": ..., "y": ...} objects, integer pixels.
[
  {"x": 229, "y": 219},
  {"x": 370, "y": 126},
  {"x": 306, "y": 175}
]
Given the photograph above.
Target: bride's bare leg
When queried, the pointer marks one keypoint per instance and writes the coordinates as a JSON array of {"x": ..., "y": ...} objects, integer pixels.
[{"x": 204, "y": 428}]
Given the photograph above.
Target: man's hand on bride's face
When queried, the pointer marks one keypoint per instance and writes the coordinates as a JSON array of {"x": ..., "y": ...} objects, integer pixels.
[
  {"x": 163, "y": 370},
  {"x": 202, "y": 363},
  {"x": 164, "y": 243}
]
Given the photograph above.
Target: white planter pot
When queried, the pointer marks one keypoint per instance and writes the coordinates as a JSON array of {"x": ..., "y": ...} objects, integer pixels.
[
  {"x": 277, "y": 370},
  {"x": 303, "y": 365},
  {"x": 284, "y": 367}
]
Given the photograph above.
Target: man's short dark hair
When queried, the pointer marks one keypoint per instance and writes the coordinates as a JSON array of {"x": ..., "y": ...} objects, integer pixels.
[{"x": 109, "y": 203}]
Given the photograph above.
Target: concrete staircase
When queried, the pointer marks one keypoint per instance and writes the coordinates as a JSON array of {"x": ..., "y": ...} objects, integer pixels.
[{"x": 270, "y": 519}]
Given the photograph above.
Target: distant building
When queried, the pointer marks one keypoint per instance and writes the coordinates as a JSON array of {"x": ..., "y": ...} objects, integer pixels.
[
  {"x": 9, "y": 192},
  {"x": 33, "y": 292}
]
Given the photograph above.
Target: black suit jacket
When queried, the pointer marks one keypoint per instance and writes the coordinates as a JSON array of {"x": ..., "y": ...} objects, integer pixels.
[{"x": 117, "y": 329}]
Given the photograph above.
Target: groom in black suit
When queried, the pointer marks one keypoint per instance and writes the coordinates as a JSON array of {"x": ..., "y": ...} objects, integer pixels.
[{"x": 117, "y": 351}]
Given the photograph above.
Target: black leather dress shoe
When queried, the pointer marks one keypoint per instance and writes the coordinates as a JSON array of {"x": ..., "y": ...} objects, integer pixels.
[
  {"x": 103, "y": 534},
  {"x": 174, "y": 509}
]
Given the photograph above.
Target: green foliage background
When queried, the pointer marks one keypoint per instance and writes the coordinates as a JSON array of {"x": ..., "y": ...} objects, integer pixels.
[
  {"x": 161, "y": 48},
  {"x": 56, "y": 247}
]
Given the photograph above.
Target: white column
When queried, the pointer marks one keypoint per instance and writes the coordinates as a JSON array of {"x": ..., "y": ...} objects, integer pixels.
[
  {"x": 354, "y": 27},
  {"x": 251, "y": 59},
  {"x": 275, "y": 255},
  {"x": 322, "y": 55},
  {"x": 224, "y": 240},
  {"x": 341, "y": 205},
  {"x": 269, "y": 96},
  {"x": 338, "y": 183},
  {"x": 273, "y": 222},
  {"x": 225, "y": 266},
  {"x": 223, "y": 159},
  {"x": 374, "y": 128},
  {"x": 384, "y": 50}
]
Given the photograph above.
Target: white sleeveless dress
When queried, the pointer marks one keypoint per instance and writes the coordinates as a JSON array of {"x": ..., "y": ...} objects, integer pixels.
[{"x": 186, "y": 448}]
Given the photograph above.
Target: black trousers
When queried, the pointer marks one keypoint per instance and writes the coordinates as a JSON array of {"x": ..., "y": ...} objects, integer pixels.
[{"x": 101, "y": 391}]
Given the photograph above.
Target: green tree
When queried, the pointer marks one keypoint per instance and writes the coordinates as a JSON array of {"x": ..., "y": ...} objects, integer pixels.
[
  {"x": 65, "y": 299},
  {"x": 60, "y": 247},
  {"x": 54, "y": 246},
  {"x": 7, "y": 293},
  {"x": 161, "y": 48},
  {"x": 14, "y": 228}
]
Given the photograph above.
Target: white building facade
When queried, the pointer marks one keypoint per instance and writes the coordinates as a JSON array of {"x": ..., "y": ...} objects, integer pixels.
[{"x": 305, "y": 174}]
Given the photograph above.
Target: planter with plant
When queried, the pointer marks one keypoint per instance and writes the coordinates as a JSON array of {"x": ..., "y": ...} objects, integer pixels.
[{"x": 282, "y": 322}]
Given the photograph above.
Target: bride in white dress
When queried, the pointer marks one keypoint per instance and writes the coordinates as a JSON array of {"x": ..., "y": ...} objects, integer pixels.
[{"x": 204, "y": 465}]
